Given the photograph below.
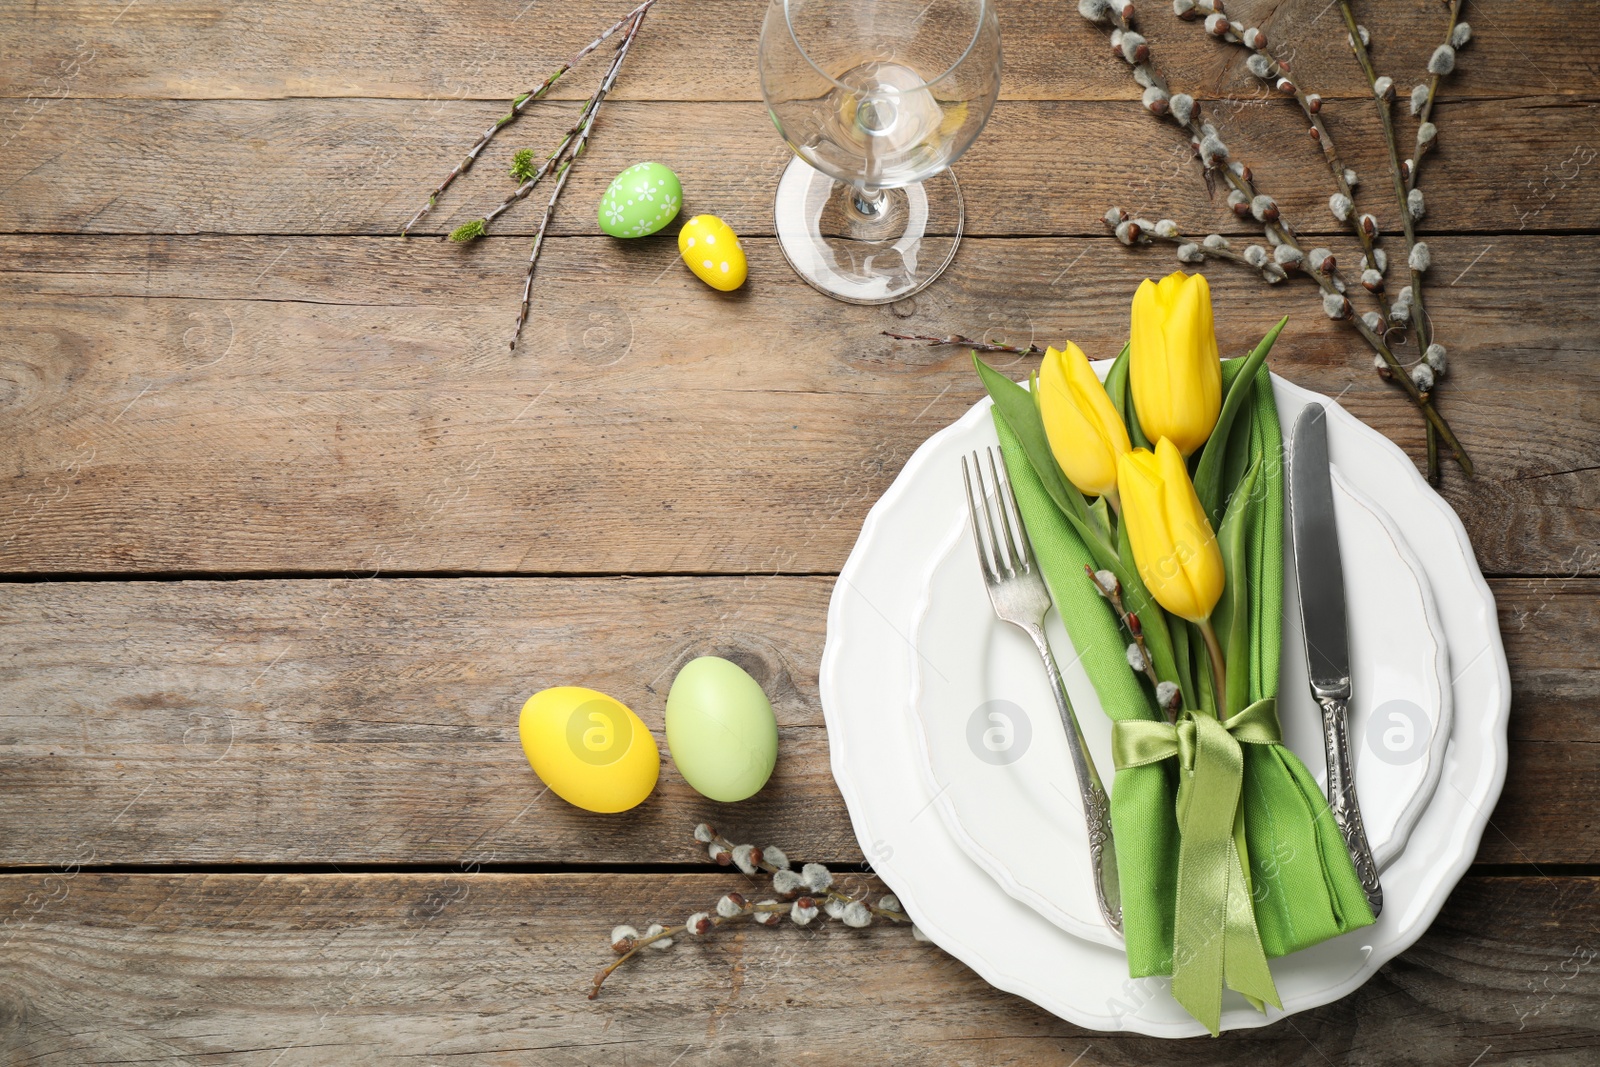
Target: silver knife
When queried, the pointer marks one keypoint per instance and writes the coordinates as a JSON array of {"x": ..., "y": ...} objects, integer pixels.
[{"x": 1321, "y": 577}]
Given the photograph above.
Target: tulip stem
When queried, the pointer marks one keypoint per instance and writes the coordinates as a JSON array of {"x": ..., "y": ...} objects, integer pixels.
[{"x": 1218, "y": 671}]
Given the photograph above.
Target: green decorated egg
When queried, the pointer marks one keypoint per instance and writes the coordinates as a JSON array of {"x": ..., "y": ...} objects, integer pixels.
[{"x": 640, "y": 201}]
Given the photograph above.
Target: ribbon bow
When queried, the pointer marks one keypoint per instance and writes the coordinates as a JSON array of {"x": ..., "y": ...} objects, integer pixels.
[{"x": 1215, "y": 940}]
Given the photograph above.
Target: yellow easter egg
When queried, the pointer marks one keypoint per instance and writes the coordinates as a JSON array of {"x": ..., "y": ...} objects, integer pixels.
[
  {"x": 591, "y": 750},
  {"x": 711, "y": 249}
]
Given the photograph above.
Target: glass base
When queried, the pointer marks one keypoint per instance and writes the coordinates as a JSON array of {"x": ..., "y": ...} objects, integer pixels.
[{"x": 863, "y": 252}]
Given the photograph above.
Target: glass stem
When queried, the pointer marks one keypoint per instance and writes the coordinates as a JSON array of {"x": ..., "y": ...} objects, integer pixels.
[{"x": 868, "y": 202}]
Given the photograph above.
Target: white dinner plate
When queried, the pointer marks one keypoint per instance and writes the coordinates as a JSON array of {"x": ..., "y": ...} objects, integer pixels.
[
  {"x": 997, "y": 759},
  {"x": 866, "y": 699}
]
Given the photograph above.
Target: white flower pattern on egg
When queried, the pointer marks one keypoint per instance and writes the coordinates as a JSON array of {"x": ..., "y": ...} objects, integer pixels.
[{"x": 640, "y": 201}]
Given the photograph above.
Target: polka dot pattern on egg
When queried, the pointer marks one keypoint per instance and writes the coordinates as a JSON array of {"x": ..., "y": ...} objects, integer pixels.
[{"x": 726, "y": 270}]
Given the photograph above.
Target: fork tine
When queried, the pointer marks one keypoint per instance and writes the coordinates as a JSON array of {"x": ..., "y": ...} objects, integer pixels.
[
  {"x": 972, "y": 517},
  {"x": 1004, "y": 565},
  {"x": 1016, "y": 535},
  {"x": 1015, "y": 546}
]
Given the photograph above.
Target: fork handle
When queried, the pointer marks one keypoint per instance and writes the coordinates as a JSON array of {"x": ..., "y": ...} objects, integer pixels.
[{"x": 1096, "y": 805}]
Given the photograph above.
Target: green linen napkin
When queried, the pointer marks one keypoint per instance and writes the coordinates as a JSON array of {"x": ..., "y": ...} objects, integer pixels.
[{"x": 1303, "y": 882}]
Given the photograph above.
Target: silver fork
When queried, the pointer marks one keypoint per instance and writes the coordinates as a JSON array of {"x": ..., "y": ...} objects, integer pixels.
[{"x": 1018, "y": 593}]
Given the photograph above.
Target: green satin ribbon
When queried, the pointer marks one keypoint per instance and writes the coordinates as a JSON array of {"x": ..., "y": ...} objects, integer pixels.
[{"x": 1215, "y": 940}]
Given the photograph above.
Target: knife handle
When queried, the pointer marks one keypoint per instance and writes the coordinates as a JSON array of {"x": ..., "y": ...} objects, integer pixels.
[{"x": 1342, "y": 796}]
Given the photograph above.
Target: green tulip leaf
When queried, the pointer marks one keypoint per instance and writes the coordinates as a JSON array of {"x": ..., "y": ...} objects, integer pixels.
[
  {"x": 1208, "y": 476},
  {"x": 1232, "y": 615}
]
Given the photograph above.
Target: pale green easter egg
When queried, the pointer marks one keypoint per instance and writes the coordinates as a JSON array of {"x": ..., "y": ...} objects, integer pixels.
[
  {"x": 640, "y": 201},
  {"x": 720, "y": 730}
]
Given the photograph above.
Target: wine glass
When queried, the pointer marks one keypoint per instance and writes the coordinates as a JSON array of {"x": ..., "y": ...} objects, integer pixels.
[{"x": 876, "y": 98}]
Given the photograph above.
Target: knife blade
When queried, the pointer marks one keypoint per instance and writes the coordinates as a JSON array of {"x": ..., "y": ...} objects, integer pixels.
[{"x": 1319, "y": 571}]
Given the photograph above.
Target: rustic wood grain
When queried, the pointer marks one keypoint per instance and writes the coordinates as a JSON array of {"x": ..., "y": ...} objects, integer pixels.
[
  {"x": 491, "y": 969},
  {"x": 697, "y": 49},
  {"x": 341, "y": 166},
  {"x": 222, "y": 404},
  {"x": 375, "y": 721}
]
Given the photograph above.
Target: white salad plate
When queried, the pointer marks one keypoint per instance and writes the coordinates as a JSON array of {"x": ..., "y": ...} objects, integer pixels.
[
  {"x": 878, "y": 761},
  {"x": 997, "y": 759}
]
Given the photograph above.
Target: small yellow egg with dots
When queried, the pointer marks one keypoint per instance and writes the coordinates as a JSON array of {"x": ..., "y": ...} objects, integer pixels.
[{"x": 711, "y": 250}]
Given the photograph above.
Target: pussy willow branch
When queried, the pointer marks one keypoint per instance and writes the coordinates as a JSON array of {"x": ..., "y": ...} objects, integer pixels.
[
  {"x": 1426, "y": 114},
  {"x": 965, "y": 342},
  {"x": 1279, "y": 73},
  {"x": 565, "y": 169},
  {"x": 746, "y": 910},
  {"x": 1419, "y": 311},
  {"x": 1214, "y": 158},
  {"x": 518, "y": 105},
  {"x": 1130, "y": 622}
]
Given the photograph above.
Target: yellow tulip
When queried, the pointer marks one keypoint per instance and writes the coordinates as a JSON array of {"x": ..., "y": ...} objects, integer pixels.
[
  {"x": 1173, "y": 545},
  {"x": 1173, "y": 364},
  {"x": 1086, "y": 433}
]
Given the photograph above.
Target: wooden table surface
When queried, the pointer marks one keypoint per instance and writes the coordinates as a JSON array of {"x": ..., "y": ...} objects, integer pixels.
[{"x": 289, "y": 534}]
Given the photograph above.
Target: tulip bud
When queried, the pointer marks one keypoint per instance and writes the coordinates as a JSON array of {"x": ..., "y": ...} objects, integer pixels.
[
  {"x": 1085, "y": 432},
  {"x": 1173, "y": 545},
  {"x": 1173, "y": 366}
]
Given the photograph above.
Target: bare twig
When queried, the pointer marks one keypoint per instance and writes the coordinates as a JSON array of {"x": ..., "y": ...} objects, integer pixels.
[
  {"x": 564, "y": 165},
  {"x": 965, "y": 342},
  {"x": 518, "y": 105}
]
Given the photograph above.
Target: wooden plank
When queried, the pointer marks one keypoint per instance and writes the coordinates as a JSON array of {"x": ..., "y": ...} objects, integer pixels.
[
  {"x": 492, "y": 969},
  {"x": 273, "y": 405},
  {"x": 702, "y": 50},
  {"x": 375, "y": 721},
  {"x": 363, "y": 166}
]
